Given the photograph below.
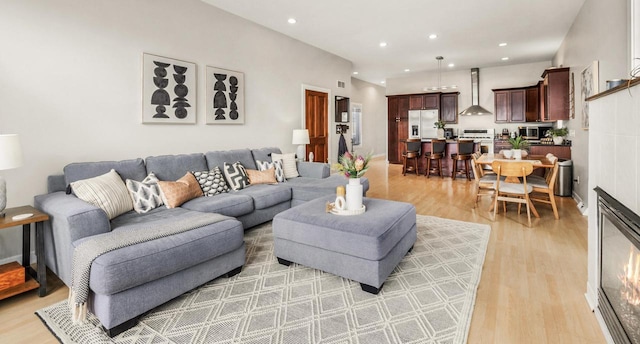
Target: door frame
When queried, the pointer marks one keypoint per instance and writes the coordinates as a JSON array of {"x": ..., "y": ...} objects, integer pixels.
[{"x": 303, "y": 123}]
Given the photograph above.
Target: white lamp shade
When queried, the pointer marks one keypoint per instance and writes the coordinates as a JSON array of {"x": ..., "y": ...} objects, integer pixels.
[
  {"x": 300, "y": 137},
  {"x": 10, "y": 152}
]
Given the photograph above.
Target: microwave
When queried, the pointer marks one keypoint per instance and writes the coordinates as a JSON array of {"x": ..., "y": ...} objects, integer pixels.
[{"x": 532, "y": 133}]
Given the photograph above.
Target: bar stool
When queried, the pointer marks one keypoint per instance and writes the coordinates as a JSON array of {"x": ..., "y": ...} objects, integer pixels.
[
  {"x": 437, "y": 153},
  {"x": 411, "y": 152},
  {"x": 465, "y": 149}
]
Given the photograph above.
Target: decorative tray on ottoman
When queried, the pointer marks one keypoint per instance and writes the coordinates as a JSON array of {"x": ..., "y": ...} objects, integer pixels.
[{"x": 345, "y": 212}]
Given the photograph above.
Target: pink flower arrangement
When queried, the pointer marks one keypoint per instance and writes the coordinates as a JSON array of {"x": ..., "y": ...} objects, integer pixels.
[{"x": 353, "y": 166}]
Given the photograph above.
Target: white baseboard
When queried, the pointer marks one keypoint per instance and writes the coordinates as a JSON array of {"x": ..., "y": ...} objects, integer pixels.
[
  {"x": 584, "y": 210},
  {"x": 378, "y": 156},
  {"x": 592, "y": 297}
]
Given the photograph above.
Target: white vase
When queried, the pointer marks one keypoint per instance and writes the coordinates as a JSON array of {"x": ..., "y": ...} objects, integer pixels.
[
  {"x": 558, "y": 140},
  {"x": 440, "y": 133},
  {"x": 517, "y": 154},
  {"x": 310, "y": 156},
  {"x": 354, "y": 194}
]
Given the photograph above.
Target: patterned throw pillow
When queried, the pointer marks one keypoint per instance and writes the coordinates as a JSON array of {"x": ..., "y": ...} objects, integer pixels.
[
  {"x": 106, "y": 192},
  {"x": 211, "y": 182},
  {"x": 262, "y": 177},
  {"x": 288, "y": 164},
  {"x": 265, "y": 165},
  {"x": 146, "y": 194},
  {"x": 180, "y": 191},
  {"x": 236, "y": 175}
]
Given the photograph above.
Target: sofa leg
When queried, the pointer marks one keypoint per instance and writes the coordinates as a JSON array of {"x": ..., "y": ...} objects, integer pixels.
[
  {"x": 284, "y": 261},
  {"x": 234, "y": 271},
  {"x": 112, "y": 332},
  {"x": 370, "y": 289}
]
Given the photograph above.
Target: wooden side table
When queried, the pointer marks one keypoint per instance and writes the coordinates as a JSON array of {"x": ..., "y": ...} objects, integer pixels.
[{"x": 34, "y": 279}]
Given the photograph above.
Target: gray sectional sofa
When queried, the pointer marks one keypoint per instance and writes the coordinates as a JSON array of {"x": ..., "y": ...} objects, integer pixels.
[{"x": 129, "y": 281}]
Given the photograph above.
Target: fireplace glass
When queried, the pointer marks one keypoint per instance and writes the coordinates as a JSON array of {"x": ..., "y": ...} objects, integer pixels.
[{"x": 619, "y": 271}]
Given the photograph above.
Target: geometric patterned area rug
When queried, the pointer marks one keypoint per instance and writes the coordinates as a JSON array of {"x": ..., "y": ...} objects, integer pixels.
[{"x": 428, "y": 298}]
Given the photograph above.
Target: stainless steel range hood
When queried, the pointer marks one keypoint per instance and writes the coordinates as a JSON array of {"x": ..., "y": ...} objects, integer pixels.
[{"x": 475, "y": 108}]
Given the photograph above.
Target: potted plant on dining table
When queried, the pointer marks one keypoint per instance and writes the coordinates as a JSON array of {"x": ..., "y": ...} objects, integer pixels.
[{"x": 518, "y": 145}]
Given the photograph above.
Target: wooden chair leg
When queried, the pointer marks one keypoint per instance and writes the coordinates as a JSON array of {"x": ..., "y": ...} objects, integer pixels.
[
  {"x": 455, "y": 169},
  {"x": 415, "y": 160},
  {"x": 466, "y": 168},
  {"x": 427, "y": 171},
  {"x": 552, "y": 198},
  {"x": 528, "y": 211},
  {"x": 440, "y": 168}
]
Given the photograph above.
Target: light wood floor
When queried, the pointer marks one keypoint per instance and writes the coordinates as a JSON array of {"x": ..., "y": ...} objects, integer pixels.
[{"x": 533, "y": 280}]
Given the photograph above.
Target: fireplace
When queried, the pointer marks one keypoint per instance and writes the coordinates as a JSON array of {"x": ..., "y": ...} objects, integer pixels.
[{"x": 619, "y": 268}]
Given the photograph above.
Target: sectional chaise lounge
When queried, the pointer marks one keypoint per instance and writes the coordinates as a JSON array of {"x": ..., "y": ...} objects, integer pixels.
[{"x": 127, "y": 282}]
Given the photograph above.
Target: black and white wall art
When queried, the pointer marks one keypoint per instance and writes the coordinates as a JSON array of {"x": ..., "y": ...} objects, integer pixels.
[
  {"x": 168, "y": 90},
  {"x": 225, "y": 96}
]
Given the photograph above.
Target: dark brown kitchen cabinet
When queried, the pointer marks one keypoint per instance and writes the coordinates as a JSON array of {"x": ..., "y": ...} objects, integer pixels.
[
  {"x": 397, "y": 126},
  {"x": 532, "y": 104},
  {"x": 509, "y": 105},
  {"x": 555, "y": 93},
  {"x": 424, "y": 101},
  {"x": 449, "y": 107}
]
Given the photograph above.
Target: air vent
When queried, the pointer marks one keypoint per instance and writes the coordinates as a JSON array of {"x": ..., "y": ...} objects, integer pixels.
[{"x": 340, "y": 84}]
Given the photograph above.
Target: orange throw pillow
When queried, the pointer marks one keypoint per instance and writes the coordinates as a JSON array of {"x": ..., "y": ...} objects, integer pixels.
[
  {"x": 262, "y": 177},
  {"x": 180, "y": 191}
]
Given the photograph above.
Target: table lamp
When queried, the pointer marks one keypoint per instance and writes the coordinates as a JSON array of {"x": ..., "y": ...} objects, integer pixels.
[
  {"x": 10, "y": 157},
  {"x": 301, "y": 138}
]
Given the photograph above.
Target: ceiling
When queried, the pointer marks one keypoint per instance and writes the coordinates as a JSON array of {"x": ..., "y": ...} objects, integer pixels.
[{"x": 469, "y": 31}]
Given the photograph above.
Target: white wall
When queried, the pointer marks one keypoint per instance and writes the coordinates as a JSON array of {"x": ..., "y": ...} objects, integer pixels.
[
  {"x": 374, "y": 116},
  {"x": 495, "y": 77},
  {"x": 70, "y": 75},
  {"x": 599, "y": 32}
]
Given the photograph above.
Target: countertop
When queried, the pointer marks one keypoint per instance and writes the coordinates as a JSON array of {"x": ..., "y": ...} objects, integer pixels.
[{"x": 536, "y": 143}]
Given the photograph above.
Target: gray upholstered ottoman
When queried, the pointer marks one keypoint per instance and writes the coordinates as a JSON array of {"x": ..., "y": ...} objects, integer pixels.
[{"x": 364, "y": 248}]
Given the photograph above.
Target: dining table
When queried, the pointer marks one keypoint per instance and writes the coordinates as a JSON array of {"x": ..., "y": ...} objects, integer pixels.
[{"x": 538, "y": 161}]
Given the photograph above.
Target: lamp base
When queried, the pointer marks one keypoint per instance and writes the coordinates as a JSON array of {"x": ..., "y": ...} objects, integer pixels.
[{"x": 300, "y": 153}]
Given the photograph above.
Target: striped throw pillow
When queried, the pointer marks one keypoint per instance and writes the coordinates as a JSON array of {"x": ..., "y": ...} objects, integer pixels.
[
  {"x": 107, "y": 192},
  {"x": 288, "y": 164}
]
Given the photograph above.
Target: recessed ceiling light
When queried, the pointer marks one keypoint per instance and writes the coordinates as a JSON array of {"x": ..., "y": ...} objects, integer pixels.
[
  {"x": 502, "y": 44},
  {"x": 355, "y": 73},
  {"x": 433, "y": 36},
  {"x": 451, "y": 65},
  {"x": 383, "y": 44},
  {"x": 292, "y": 21},
  {"x": 382, "y": 82},
  {"x": 505, "y": 58},
  {"x": 407, "y": 70},
  {"x": 454, "y": 86}
]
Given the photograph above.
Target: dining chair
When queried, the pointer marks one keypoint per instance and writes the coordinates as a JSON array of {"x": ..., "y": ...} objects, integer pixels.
[
  {"x": 514, "y": 187},
  {"x": 543, "y": 187},
  {"x": 411, "y": 153},
  {"x": 437, "y": 153},
  {"x": 465, "y": 149},
  {"x": 485, "y": 182}
]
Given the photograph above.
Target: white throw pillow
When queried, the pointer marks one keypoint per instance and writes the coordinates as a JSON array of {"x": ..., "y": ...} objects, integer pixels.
[
  {"x": 288, "y": 164},
  {"x": 106, "y": 192}
]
